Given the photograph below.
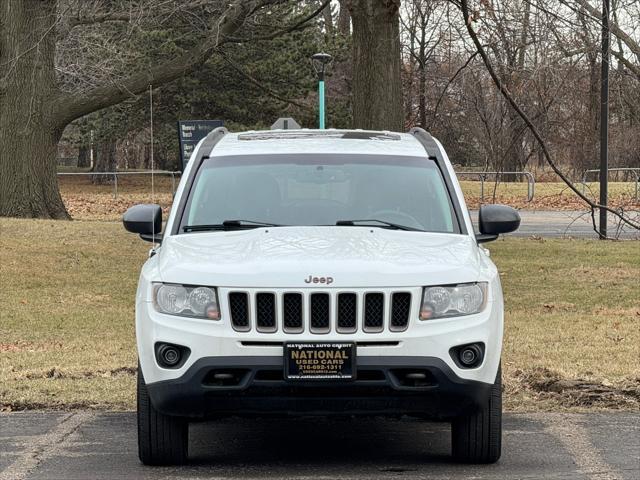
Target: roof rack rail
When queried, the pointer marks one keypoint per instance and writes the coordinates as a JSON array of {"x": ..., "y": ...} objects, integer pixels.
[
  {"x": 213, "y": 137},
  {"x": 427, "y": 142},
  {"x": 327, "y": 133}
]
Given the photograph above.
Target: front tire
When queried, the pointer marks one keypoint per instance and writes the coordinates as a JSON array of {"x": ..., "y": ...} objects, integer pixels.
[
  {"x": 162, "y": 439},
  {"x": 477, "y": 438}
]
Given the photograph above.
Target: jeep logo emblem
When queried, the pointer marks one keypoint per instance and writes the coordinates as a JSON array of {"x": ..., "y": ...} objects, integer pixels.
[{"x": 325, "y": 280}]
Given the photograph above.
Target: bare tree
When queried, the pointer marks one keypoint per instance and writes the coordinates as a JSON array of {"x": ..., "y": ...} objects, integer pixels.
[
  {"x": 35, "y": 105},
  {"x": 420, "y": 24},
  {"x": 468, "y": 21}
]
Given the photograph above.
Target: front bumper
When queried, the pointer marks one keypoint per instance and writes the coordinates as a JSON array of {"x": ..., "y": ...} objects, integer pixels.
[
  {"x": 256, "y": 387},
  {"x": 207, "y": 339}
]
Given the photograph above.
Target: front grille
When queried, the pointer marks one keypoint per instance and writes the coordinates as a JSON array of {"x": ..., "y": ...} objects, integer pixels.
[
  {"x": 239, "y": 310},
  {"x": 266, "y": 312},
  {"x": 373, "y": 312},
  {"x": 400, "y": 310},
  {"x": 319, "y": 312},
  {"x": 292, "y": 312},
  {"x": 347, "y": 312}
]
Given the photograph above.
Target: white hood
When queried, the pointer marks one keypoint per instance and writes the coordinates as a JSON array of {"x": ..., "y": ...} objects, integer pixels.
[{"x": 284, "y": 257}]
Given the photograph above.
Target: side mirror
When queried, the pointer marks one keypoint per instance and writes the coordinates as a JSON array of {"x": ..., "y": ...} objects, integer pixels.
[
  {"x": 496, "y": 219},
  {"x": 146, "y": 220}
]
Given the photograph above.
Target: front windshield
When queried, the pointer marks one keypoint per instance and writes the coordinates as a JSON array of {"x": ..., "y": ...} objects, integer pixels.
[{"x": 320, "y": 190}]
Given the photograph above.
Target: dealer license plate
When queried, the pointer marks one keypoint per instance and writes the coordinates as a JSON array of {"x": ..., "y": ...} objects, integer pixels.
[{"x": 320, "y": 361}]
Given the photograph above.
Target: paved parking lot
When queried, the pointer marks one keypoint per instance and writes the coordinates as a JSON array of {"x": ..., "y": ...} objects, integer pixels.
[{"x": 90, "y": 445}]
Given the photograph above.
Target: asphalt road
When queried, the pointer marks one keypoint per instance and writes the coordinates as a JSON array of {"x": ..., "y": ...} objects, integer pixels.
[
  {"x": 90, "y": 445},
  {"x": 559, "y": 224}
]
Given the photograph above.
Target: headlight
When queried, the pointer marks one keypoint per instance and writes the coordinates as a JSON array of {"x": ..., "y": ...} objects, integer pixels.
[
  {"x": 185, "y": 300},
  {"x": 453, "y": 300}
]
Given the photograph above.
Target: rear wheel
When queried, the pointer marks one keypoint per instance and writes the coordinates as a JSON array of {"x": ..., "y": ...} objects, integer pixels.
[
  {"x": 477, "y": 438},
  {"x": 162, "y": 439}
]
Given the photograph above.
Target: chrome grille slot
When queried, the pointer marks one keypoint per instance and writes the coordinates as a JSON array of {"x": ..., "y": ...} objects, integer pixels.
[
  {"x": 320, "y": 312},
  {"x": 239, "y": 311},
  {"x": 373, "y": 312},
  {"x": 266, "y": 312},
  {"x": 292, "y": 312},
  {"x": 400, "y": 310},
  {"x": 347, "y": 312}
]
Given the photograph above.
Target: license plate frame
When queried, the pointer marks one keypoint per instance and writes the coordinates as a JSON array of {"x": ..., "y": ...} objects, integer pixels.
[{"x": 320, "y": 361}]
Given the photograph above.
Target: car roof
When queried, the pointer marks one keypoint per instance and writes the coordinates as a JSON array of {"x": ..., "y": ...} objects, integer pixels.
[{"x": 330, "y": 141}]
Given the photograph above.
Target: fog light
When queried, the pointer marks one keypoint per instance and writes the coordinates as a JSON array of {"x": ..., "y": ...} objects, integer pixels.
[
  {"x": 171, "y": 356},
  {"x": 468, "y": 356}
]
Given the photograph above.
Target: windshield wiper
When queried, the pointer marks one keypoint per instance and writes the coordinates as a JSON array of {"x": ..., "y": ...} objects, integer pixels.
[
  {"x": 229, "y": 225},
  {"x": 367, "y": 223}
]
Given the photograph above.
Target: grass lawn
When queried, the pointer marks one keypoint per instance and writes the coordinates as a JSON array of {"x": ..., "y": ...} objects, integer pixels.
[{"x": 67, "y": 330}]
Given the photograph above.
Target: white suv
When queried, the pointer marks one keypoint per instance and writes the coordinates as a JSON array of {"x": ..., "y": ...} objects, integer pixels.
[{"x": 319, "y": 272}]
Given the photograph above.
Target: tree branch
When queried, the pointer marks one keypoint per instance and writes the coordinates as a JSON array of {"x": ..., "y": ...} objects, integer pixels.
[
  {"x": 87, "y": 20},
  {"x": 68, "y": 107},
  {"x": 617, "y": 31},
  {"x": 630, "y": 66},
  {"x": 261, "y": 85},
  {"x": 446, "y": 87},
  {"x": 101, "y": 18},
  {"x": 507, "y": 95},
  {"x": 289, "y": 29}
]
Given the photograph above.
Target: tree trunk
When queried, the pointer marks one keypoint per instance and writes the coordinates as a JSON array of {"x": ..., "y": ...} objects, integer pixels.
[
  {"x": 84, "y": 159},
  {"x": 146, "y": 160},
  {"x": 344, "y": 19},
  {"x": 422, "y": 72},
  {"x": 514, "y": 156},
  {"x": 377, "y": 84},
  {"x": 422, "y": 98},
  {"x": 327, "y": 18},
  {"x": 28, "y": 131},
  {"x": 105, "y": 162}
]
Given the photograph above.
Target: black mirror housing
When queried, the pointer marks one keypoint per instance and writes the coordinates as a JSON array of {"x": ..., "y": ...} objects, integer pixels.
[
  {"x": 145, "y": 220},
  {"x": 496, "y": 219}
]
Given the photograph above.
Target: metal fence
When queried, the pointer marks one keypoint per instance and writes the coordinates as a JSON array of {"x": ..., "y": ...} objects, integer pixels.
[
  {"x": 115, "y": 176},
  {"x": 481, "y": 175},
  {"x": 633, "y": 170},
  {"x": 531, "y": 181}
]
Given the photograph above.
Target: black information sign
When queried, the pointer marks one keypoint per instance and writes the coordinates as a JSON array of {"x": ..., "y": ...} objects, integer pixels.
[
  {"x": 320, "y": 361},
  {"x": 190, "y": 132}
]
